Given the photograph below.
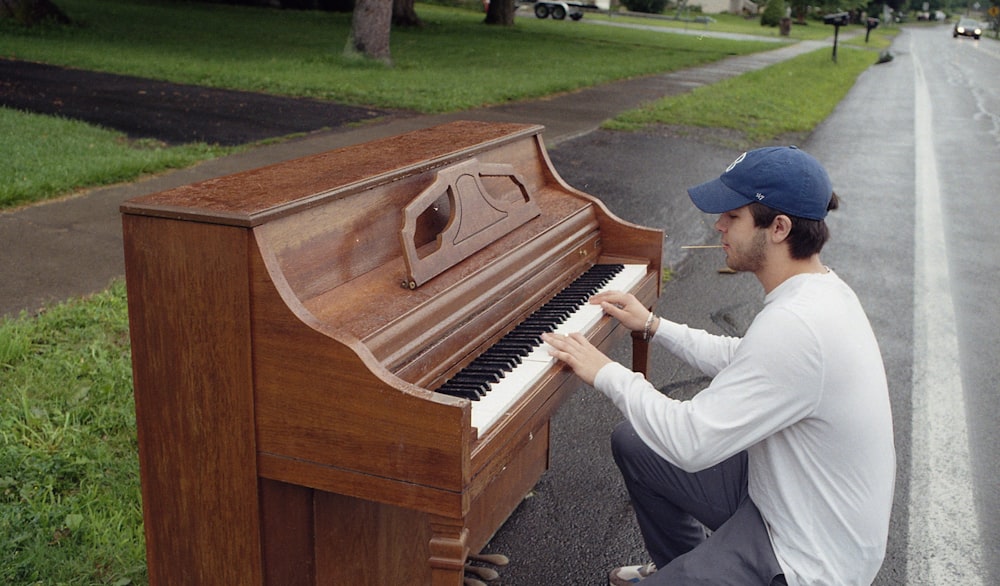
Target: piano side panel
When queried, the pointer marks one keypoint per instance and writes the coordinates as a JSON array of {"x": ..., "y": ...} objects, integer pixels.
[
  {"x": 622, "y": 240},
  {"x": 330, "y": 414},
  {"x": 626, "y": 241},
  {"x": 189, "y": 324}
]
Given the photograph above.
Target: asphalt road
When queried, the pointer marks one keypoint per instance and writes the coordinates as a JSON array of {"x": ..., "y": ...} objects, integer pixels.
[{"x": 920, "y": 131}]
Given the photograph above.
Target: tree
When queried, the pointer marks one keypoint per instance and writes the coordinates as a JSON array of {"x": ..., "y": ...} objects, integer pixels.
[
  {"x": 404, "y": 14},
  {"x": 32, "y": 12},
  {"x": 773, "y": 12},
  {"x": 370, "y": 27},
  {"x": 501, "y": 12},
  {"x": 800, "y": 8}
]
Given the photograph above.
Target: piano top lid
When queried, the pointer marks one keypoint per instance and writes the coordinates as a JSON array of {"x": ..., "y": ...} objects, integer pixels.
[{"x": 254, "y": 197}]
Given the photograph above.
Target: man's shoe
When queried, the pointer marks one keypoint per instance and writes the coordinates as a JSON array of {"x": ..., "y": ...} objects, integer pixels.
[{"x": 630, "y": 574}]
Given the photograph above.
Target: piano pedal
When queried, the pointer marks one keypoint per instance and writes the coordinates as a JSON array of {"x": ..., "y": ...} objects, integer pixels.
[
  {"x": 496, "y": 559},
  {"x": 472, "y": 582},
  {"x": 487, "y": 574}
]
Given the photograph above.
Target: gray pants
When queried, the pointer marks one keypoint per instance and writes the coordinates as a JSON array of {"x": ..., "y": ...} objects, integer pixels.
[{"x": 674, "y": 508}]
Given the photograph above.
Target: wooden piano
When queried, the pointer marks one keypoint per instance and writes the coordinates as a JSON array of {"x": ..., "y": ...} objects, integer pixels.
[{"x": 290, "y": 328}]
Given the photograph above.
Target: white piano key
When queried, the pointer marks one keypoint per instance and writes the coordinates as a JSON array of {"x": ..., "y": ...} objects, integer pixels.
[{"x": 504, "y": 394}]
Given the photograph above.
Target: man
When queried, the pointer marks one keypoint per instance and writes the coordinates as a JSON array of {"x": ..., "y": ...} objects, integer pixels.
[{"x": 787, "y": 457}]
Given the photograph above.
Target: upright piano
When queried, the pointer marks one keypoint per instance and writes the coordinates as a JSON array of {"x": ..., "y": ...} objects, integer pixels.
[{"x": 325, "y": 389}]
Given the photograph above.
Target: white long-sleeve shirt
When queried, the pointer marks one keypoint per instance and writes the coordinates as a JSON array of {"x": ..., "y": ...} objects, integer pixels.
[{"x": 805, "y": 393}]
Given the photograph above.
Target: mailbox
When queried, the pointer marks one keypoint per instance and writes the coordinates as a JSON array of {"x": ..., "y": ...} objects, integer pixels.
[
  {"x": 837, "y": 19},
  {"x": 872, "y": 23}
]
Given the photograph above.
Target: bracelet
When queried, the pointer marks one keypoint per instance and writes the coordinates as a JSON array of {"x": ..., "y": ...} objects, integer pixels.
[{"x": 646, "y": 328}]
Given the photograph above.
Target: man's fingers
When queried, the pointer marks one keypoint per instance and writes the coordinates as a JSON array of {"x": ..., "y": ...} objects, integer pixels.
[{"x": 565, "y": 346}]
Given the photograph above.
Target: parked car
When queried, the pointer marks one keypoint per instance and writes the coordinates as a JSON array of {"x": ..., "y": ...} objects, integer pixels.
[{"x": 967, "y": 28}]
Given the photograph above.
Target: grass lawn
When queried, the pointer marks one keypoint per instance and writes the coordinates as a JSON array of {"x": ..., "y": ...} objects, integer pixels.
[
  {"x": 811, "y": 86},
  {"x": 70, "y": 508},
  {"x": 45, "y": 157}
]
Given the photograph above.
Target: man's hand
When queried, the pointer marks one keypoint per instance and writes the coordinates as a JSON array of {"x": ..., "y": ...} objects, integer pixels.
[
  {"x": 624, "y": 307},
  {"x": 576, "y": 351}
]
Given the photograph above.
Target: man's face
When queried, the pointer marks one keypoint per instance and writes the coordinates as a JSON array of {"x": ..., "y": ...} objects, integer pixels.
[{"x": 745, "y": 245}]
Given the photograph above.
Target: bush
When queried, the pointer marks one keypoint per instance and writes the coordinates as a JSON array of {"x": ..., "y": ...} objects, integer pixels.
[
  {"x": 646, "y": 6},
  {"x": 773, "y": 13}
]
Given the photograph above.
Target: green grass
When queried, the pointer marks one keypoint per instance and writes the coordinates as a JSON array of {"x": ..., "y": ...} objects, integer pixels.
[
  {"x": 46, "y": 157},
  {"x": 69, "y": 486},
  {"x": 761, "y": 106}
]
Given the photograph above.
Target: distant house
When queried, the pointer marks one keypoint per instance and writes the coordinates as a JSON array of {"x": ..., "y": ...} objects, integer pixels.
[
  {"x": 745, "y": 7},
  {"x": 731, "y": 6}
]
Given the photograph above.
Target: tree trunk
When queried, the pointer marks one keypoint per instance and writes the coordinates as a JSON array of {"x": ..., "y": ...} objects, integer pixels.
[
  {"x": 501, "y": 12},
  {"x": 32, "y": 12},
  {"x": 403, "y": 14},
  {"x": 370, "y": 28}
]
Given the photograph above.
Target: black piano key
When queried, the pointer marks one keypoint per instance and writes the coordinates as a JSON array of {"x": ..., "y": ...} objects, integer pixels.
[
  {"x": 469, "y": 376},
  {"x": 515, "y": 346},
  {"x": 478, "y": 387},
  {"x": 456, "y": 391},
  {"x": 532, "y": 334},
  {"x": 501, "y": 363},
  {"x": 495, "y": 353},
  {"x": 486, "y": 368}
]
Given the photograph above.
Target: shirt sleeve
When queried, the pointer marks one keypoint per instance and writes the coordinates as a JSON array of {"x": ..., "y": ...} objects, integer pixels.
[
  {"x": 771, "y": 379},
  {"x": 706, "y": 352}
]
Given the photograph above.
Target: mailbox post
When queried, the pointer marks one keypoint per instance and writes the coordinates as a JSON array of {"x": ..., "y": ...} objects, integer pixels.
[
  {"x": 837, "y": 20},
  {"x": 872, "y": 23}
]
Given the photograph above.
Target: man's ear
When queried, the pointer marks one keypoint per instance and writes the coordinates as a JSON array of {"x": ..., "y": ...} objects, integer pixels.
[{"x": 780, "y": 228}]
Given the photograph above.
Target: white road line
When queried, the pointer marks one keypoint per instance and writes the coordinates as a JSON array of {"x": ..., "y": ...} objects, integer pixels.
[{"x": 944, "y": 541}]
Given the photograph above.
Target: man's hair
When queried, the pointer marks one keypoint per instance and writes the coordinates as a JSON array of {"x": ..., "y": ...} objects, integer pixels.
[{"x": 806, "y": 238}]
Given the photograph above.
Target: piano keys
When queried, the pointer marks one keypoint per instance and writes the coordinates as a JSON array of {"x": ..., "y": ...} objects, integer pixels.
[
  {"x": 498, "y": 377},
  {"x": 303, "y": 340}
]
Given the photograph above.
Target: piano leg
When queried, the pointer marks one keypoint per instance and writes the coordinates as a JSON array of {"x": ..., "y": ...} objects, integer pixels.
[
  {"x": 449, "y": 550},
  {"x": 640, "y": 353}
]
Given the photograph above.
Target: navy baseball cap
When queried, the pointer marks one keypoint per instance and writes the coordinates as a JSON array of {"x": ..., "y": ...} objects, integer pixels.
[{"x": 784, "y": 178}]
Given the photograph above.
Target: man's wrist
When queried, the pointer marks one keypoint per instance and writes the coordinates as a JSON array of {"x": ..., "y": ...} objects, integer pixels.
[{"x": 649, "y": 328}]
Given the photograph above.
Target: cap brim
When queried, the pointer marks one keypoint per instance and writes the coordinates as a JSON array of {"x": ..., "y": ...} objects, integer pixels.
[{"x": 714, "y": 197}]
